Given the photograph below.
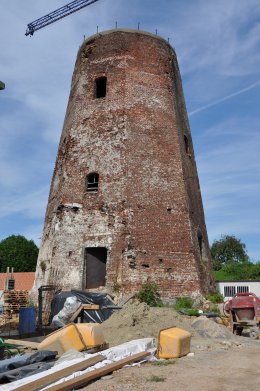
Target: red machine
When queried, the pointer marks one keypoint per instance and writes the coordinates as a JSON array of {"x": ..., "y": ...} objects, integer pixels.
[{"x": 244, "y": 312}]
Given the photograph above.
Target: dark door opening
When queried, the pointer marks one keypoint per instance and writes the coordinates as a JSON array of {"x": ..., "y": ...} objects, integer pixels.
[{"x": 95, "y": 261}]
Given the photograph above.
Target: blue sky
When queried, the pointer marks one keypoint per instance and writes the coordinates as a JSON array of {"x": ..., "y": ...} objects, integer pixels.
[{"x": 218, "y": 47}]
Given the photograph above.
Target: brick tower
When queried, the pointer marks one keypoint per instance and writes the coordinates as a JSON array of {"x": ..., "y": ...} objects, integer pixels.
[{"x": 125, "y": 206}]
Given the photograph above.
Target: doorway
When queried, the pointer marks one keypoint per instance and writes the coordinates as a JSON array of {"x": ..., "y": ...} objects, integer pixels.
[{"x": 95, "y": 261}]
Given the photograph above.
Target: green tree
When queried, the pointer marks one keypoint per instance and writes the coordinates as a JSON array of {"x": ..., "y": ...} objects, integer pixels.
[
  {"x": 228, "y": 251},
  {"x": 18, "y": 252}
]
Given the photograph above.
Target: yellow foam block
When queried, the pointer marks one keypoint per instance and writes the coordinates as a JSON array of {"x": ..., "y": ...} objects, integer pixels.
[
  {"x": 79, "y": 336},
  {"x": 173, "y": 343}
]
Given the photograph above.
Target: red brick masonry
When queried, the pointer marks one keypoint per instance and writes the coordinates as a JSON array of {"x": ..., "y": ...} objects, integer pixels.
[{"x": 147, "y": 211}]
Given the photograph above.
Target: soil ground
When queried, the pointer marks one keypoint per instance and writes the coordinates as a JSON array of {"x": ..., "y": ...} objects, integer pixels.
[
  {"x": 233, "y": 369},
  {"x": 221, "y": 361}
]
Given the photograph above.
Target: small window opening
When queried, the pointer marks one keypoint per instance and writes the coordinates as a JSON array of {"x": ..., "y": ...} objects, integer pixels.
[
  {"x": 101, "y": 87},
  {"x": 200, "y": 241},
  {"x": 11, "y": 284},
  {"x": 229, "y": 291},
  {"x": 186, "y": 143},
  {"x": 92, "y": 182},
  {"x": 242, "y": 289}
]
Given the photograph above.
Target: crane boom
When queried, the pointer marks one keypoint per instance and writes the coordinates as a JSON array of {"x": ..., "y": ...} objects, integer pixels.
[{"x": 57, "y": 14}]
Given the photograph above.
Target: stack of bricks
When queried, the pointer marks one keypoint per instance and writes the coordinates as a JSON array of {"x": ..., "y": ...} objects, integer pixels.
[{"x": 14, "y": 300}]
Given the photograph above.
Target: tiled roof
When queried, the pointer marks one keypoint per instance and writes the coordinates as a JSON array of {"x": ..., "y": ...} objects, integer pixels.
[{"x": 23, "y": 280}]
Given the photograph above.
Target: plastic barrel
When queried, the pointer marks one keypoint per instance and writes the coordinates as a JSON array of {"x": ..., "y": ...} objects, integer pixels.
[{"x": 27, "y": 320}]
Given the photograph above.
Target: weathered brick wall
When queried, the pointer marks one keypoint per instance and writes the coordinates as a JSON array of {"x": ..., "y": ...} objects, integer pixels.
[{"x": 148, "y": 211}]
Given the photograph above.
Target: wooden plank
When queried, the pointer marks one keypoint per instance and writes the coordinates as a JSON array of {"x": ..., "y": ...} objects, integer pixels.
[
  {"x": 90, "y": 306},
  {"x": 26, "y": 344},
  {"x": 84, "y": 307},
  {"x": 53, "y": 377},
  {"x": 82, "y": 380}
]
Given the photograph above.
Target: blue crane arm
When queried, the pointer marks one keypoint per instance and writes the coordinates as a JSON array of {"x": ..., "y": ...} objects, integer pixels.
[{"x": 57, "y": 14}]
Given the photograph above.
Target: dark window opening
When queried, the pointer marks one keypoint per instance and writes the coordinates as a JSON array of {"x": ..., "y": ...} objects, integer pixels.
[
  {"x": 186, "y": 143},
  {"x": 200, "y": 240},
  {"x": 92, "y": 182},
  {"x": 11, "y": 284},
  {"x": 242, "y": 289},
  {"x": 95, "y": 264},
  {"x": 229, "y": 291},
  {"x": 145, "y": 265},
  {"x": 101, "y": 87}
]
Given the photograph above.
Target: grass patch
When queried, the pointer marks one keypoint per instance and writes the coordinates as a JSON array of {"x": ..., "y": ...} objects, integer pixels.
[
  {"x": 192, "y": 312},
  {"x": 156, "y": 379},
  {"x": 163, "y": 362},
  {"x": 183, "y": 302},
  {"x": 215, "y": 297}
]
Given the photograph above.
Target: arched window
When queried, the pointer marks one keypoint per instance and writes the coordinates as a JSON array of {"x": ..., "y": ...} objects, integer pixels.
[
  {"x": 101, "y": 87},
  {"x": 92, "y": 182}
]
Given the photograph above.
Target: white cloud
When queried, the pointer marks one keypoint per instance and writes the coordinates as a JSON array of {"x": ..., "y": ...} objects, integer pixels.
[
  {"x": 31, "y": 204},
  {"x": 223, "y": 99},
  {"x": 218, "y": 46}
]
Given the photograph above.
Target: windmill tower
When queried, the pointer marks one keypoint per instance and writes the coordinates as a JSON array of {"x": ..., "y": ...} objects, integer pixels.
[{"x": 125, "y": 206}]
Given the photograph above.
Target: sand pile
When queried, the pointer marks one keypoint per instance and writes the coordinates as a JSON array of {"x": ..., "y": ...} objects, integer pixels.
[
  {"x": 209, "y": 329},
  {"x": 138, "y": 320}
]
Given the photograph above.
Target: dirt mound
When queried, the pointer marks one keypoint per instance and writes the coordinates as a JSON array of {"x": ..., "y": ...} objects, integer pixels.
[
  {"x": 209, "y": 329},
  {"x": 138, "y": 320}
]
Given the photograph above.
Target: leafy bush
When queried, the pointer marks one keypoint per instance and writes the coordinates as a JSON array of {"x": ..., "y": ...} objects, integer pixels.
[
  {"x": 215, "y": 298},
  {"x": 183, "y": 302},
  {"x": 149, "y": 295},
  {"x": 231, "y": 272},
  {"x": 192, "y": 312}
]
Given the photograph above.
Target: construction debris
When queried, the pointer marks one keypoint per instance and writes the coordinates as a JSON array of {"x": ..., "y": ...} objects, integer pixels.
[
  {"x": 53, "y": 377},
  {"x": 173, "y": 343},
  {"x": 67, "y": 370},
  {"x": 82, "y": 336},
  {"x": 97, "y": 373},
  {"x": 14, "y": 300}
]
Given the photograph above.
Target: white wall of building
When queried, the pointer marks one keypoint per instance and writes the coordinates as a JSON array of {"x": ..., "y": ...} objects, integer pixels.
[{"x": 230, "y": 288}]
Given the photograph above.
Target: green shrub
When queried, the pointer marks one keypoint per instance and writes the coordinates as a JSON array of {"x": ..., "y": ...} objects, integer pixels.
[
  {"x": 192, "y": 312},
  {"x": 149, "y": 295},
  {"x": 215, "y": 297},
  {"x": 183, "y": 302}
]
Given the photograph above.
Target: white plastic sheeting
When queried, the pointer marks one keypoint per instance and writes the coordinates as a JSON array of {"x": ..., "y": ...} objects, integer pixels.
[
  {"x": 73, "y": 357},
  {"x": 63, "y": 317}
]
